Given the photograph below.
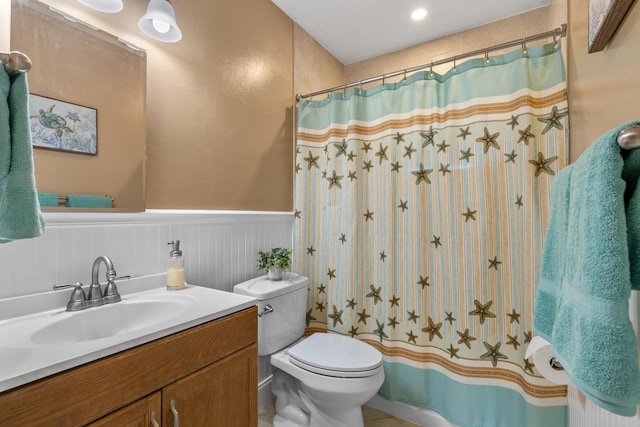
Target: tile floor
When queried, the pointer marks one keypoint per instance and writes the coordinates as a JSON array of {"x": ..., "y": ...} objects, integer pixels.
[{"x": 372, "y": 418}]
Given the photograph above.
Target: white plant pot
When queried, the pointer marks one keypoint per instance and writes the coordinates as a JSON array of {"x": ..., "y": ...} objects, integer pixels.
[{"x": 274, "y": 273}]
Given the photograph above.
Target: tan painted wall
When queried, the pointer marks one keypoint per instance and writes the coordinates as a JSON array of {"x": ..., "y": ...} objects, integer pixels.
[
  {"x": 5, "y": 25},
  {"x": 315, "y": 69},
  {"x": 231, "y": 78},
  {"x": 219, "y": 104},
  {"x": 112, "y": 82},
  {"x": 220, "y": 114},
  {"x": 604, "y": 87}
]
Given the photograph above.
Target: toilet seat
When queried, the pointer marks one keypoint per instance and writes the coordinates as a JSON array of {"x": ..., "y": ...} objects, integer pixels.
[{"x": 335, "y": 356}]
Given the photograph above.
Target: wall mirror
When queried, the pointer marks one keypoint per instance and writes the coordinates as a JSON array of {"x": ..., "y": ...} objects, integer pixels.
[{"x": 75, "y": 63}]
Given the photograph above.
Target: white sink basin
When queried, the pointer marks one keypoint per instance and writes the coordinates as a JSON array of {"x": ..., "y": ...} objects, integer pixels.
[
  {"x": 38, "y": 337},
  {"x": 109, "y": 320}
]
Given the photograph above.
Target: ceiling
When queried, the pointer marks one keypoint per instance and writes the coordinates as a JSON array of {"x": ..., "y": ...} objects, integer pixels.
[{"x": 355, "y": 30}]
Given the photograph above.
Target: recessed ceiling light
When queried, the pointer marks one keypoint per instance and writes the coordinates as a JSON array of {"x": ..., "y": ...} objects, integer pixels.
[{"x": 419, "y": 14}]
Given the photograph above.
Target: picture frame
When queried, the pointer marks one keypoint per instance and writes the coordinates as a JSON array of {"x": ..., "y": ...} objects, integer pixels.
[
  {"x": 605, "y": 16},
  {"x": 63, "y": 126}
]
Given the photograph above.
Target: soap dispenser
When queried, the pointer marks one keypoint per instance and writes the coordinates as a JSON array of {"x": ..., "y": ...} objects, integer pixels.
[{"x": 175, "y": 267}]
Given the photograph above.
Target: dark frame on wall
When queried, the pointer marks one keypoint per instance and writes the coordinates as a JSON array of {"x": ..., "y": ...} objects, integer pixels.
[{"x": 605, "y": 17}]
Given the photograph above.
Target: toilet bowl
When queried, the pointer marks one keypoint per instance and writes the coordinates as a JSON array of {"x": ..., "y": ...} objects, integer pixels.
[
  {"x": 318, "y": 381},
  {"x": 328, "y": 377}
]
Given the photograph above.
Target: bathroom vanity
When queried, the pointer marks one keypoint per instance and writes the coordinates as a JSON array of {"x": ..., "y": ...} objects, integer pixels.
[{"x": 204, "y": 375}]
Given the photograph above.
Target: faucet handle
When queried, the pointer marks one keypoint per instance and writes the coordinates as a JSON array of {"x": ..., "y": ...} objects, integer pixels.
[
  {"x": 59, "y": 286},
  {"x": 78, "y": 300},
  {"x": 111, "y": 293}
]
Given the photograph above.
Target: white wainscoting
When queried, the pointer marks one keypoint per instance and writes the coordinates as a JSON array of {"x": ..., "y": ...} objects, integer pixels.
[
  {"x": 584, "y": 413},
  {"x": 220, "y": 247}
]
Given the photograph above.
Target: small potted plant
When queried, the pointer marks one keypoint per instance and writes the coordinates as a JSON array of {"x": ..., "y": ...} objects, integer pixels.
[{"x": 275, "y": 262}]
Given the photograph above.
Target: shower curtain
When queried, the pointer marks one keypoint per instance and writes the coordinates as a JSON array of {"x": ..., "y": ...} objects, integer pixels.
[{"x": 420, "y": 213}]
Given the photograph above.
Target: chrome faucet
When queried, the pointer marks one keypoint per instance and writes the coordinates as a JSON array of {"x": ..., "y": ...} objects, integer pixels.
[
  {"x": 95, "y": 297},
  {"x": 111, "y": 295}
]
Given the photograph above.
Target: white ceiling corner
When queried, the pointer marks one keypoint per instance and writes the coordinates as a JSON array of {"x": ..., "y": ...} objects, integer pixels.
[{"x": 356, "y": 30}]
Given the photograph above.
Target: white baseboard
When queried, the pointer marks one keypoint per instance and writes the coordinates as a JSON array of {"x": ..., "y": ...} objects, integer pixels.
[
  {"x": 421, "y": 416},
  {"x": 264, "y": 392}
]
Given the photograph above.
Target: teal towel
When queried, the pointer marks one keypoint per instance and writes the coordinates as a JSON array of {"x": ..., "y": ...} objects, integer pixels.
[
  {"x": 20, "y": 216},
  {"x": 582, "y": 299},
  {"x": 48, "y": 199},
  {"x": 88, "y": 201}
]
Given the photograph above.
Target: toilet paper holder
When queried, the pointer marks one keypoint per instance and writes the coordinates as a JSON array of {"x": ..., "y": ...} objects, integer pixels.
[{"x": 555, "y": 364}]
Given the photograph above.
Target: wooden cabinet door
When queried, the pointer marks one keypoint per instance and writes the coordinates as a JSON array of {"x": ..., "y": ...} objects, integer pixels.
[
  {"x": 223, "y": 394},
  {"x": 137, "y": 414}
]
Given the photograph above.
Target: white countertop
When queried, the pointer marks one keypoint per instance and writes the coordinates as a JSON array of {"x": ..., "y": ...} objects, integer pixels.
[{"x": 30, "y": 350}]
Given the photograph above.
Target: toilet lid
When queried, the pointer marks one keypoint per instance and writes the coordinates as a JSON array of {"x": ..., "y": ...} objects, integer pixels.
[{"x": 333, "y": 353}]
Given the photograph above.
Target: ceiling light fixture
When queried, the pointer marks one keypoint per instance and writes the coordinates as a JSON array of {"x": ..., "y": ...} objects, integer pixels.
[
  {"x": 108, "y": 6},
  {"x": 160, "y": 22},
  {"x": 419, "y": 14}
]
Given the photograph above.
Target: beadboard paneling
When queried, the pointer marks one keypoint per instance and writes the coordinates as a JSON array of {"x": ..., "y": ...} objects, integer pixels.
[
  {"x": 220, "y": 248},
  {"x": 584, "y": 413}
]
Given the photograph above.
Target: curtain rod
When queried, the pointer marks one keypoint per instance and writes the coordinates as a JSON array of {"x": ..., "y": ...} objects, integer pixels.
[{"x": 556, "y": 32}]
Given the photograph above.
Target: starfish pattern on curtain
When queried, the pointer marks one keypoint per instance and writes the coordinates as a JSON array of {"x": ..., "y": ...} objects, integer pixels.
[{"x": 420, "y": 213}]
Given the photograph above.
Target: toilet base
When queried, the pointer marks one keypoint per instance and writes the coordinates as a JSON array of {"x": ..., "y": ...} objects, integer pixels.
[{"x": 295, "y": 409}]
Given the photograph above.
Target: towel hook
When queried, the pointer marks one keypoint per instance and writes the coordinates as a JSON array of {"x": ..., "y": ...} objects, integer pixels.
[
  {"x": 629, "y": 138},
  {"x": 16, "y": 62}
]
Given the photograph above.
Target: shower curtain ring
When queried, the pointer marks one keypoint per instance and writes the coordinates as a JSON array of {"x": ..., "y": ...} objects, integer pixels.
[
  {"x": 431, "y": 70},
  {"x": 555, "y": 42},
  {"x": 486, "y": 57},
  {"x": 455, "y": 67},
  {"x": 344, "y": 92},
  {"x": 383, "y": 76},
  {"x": 404, "y": 81},
  {"x": 524, "y": 48},
  {"x": 361, "y": 90}
]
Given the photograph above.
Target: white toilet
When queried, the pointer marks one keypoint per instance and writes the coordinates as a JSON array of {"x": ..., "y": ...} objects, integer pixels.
[{"x": 319, "y": 381}]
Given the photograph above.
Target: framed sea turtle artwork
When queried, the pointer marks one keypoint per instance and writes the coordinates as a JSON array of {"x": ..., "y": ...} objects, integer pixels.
[{"x": 59, "y": 125}]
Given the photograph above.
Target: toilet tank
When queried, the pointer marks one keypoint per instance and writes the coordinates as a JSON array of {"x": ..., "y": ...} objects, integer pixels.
[{"x": 285, "y": 323}]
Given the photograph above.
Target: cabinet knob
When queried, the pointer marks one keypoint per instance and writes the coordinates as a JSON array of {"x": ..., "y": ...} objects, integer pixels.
[
  {"x": 154, "y": 423},
  {"x": 176, "y": 416}
]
